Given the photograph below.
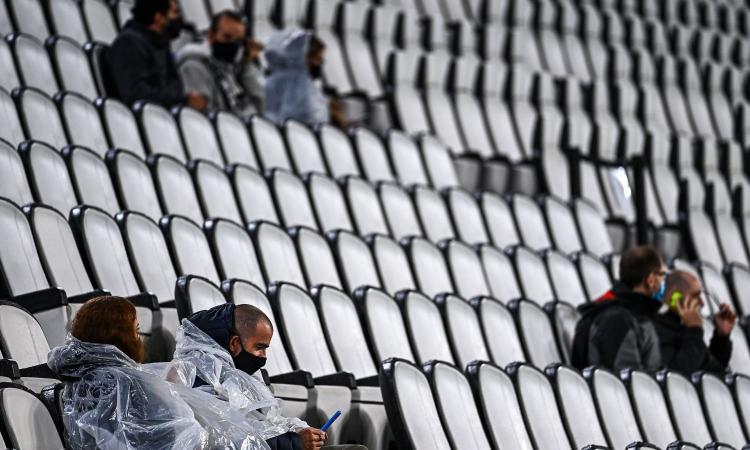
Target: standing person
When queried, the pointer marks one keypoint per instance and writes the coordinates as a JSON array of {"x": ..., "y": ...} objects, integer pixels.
[
  {"x": 225, "y": 68},
  {"x": 680, "y": 329},
  {"x": 293, "y": 89},
  {"x": 140, "y": 63},
  {"x": 617, "y": 330}
]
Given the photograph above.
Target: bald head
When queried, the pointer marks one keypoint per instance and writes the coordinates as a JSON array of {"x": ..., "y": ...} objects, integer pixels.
[
  {"x": 248, "y": 317},
  {"x": 255, "y": 331},
  {"x": 683, "y": 282}
]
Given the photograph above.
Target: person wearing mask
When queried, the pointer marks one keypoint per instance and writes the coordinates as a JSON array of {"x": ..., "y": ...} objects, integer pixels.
[
  {"x": 139, "y": 63},
  {"x": 293, "y": 87},
  {"x": 110, "y": 402},
  {"x": 617, "y": 330},
  {"x": 680, "y": 328},
  {"x": 225, "y": 68},
  {"x": 228, "y": 345}
]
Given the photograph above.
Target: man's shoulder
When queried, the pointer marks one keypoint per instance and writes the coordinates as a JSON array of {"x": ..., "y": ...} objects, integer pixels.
[{"x": 615, "y": 311}]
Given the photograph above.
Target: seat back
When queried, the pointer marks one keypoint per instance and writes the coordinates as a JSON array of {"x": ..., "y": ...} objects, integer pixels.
[
  {"x": 8, "y": 73},
  {"x": 392, "y": 264},
  {"x": 463, "y": 328},
  {"x": 13, "y": 183},
  {"x": 410, "y": 406},
  {"x": 316, "y": 258},
  {"x": 406, "y": 159},
  {"x": 425, "y": 327},
  {"x": 303, "y": 148},
  {"x": 594, "y": 275},
  {"x": 32, "y": 61},
  {"x": 366, "y": 213},
  {"x": 253, "y": 195},
  {"x": 198, "y": 136},
  {"x": 651, "y": 409},
  {"x": 72, "y": 66},
  {"x": 467, "y": 216},
  {"x": 429, "y": 267},
  {"x": 40, "y": 118},
  {"x": 277, "y": 254},
  {"x": 189, "y": 248},
  {"x": 577, "y": 407},
  {"x": 22, "y": 269},
  {"x": 175, "y": 187},
  {"x": 499, "y": 273},
  {"x": 292, "y": 200},
  {"x": 328, "y": 201},
  {"x": 562, "y": 226},
  {"x": 91, "y": 179},
  {"x": 234, "y": 252},
  {"x": 721, "y": 414},
  {"x": 596, "y": 239},
  {"x": 48, "y": 176},
  {"x": 160, "y": 132},
  {"x": 433, "y": 214},
  {"x": 356, "y": 265},
  {"x": 371, "y": 151},
  {"x": 399, "y": 211},
  {"x": 99, "y": 20},
  {"x": 133, "y": 183},
  {"x": 564, "y": 317},
  {"x": 215, "y": 191},
  {"x": 27, "y": 420},
  {"x": 338, "y": 152},
  {"x": 120, "y": 126},
  {"x": 530, "y": 223},
  {"x": 22, "y": 337},
  {"x": 685, "y": 407},
  {"x": 466, "y": 269},
  {"x": 193, "y": 294},
  {"x": 269, "y": 144},
  {"x": 234, "y": 139},
  {"x": 537, "y": 398},
  {"x": 378, "y": 308},
  {"x": 536, "y": 333},
  {"x": 438, "y": 163},
  {"x": 532, "y": 276},
  {"x": 616, "y": 413},
  {"x": 564, "y": 277},
  {"x": 458, "y": 411}
]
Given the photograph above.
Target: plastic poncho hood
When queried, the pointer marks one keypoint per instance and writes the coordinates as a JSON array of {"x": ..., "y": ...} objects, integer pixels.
[
  {"x": 111, "y": 402},
  {"x": 213, "y": 364},
  {"x": 291, "y": 93}
]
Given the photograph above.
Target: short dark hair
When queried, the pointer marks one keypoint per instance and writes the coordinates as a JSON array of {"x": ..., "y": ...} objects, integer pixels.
[
  {"x": 316, "y": 45},
  {"x": 247, "y": 317},
  {"x": 227, "y": 13},
  {"x": 638, "y": 263},
  {"x": 145, "y": 10}
]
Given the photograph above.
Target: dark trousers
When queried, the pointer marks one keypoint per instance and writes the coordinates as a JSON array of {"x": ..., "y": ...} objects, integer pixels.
[{"x": 288, "y": 441}]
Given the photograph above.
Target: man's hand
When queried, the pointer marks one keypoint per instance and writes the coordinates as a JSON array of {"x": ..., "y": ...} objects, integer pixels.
[
  {"x": 197, "y": 101},
  {"x": 312, "y": 438},
  {"x": 689, "y": 311},
  {"x": 724, "y": 320},
  {"x": 252, "y": 50}
]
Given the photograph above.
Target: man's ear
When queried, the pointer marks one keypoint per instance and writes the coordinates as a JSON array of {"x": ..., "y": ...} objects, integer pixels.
[{"x": 235, "y": 345}]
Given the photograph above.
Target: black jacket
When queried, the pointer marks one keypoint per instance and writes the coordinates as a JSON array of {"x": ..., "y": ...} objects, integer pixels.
[
  {"x": 617, "y": 332},
  {"x": 141, "y": 67},
  {"x": 683, "y": 348}
]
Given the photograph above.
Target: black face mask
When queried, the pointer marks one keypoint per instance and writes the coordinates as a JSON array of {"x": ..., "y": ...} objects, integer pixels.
[
  {"x": 248, "y": 363},
  {"x": 174, "y": 28},
  {"x": 226, "y": 51},
  {"x": 316, "y": 71}
]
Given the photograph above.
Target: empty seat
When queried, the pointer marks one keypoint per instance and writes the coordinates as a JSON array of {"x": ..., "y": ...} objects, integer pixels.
[
  {"x": 499, "y": 273},
  {"x": 399, "y": 211},
  {"x": 406, "y": 159},
  {"x": 366, "y": 213},
  {"x": 594, "y": 275},
  {"x": 721, "y": 414},
  {"x": 465, "y": 74},
  {"x": 91, "y": 179},
  {"x": 33, "y": 64},
  {"x": 99, "y": 20},
  {"x": 27, "y": 421},
  {"x": 338, "y": 152},
  {"x": 234, "y": 252},
  {"x": 500, "y": 221},
  {"x": 354, "y": 18},
  {"x": 268, "y": 144},
  {"x": 13, "y": 183},
  {"x": 438, "y": 163},
  {"x": 356, "y": 265},
  {"x": 378, "y": 308},
  {"x": 198, "y": 136},
  {"x": 537, "y": 398},
  {"x": 651, "y": 409},
  {"x": 409, "y": 112},
  {"x": 685, "y": 406},
  {"x": 410, "y": 406},
  {"x": 530, "y": 223},
  {"x": 562, "y": 225},
  {"x": 82, "y": 123},
  {"x": 13, "y": 131},
  {"x": 424, "y": 324},
  {"x": 467, "y": 216},
  {"x": 316, "y": 258},
  {"x": 433, "y": 214},
  {"x": 498, "y": 405},
  {"x": 594, "y": 234},
  {"x": 197, "y": 14},
  {"x": 277, "y": 254},
  {"x": 253, "y": 194},
  {"x": 456, "y": 406},
  {"x": 160, "y": 132},
  {"x": 133, "y": 183},
  {"x": 372, "y": 155},
  {"x": 536, "y": 333},
  {"x": 234, "y": 139},
  {"x": 463, "y": 328},
  {"x": 577, "y": 407},
  {"x": 292, "y": 200},
  {"x": 328, "y": 201},
  {"x": 40, "y": 118},
  {"x": 532, "y": 276},
  {"x": 429, "y": 267},
  {"x": 6, "y": 26},
  {"x": 120, "y": 126},
  {"x": 465, "y": 269},
  {"x": 303, "y": 148},
  {"x": 434, "y": 70},
  {"x": 392, "y": 264},
  {"x": 193, "y": 294},
  {"x": 72, "y": 67},
  {"x": 564, "y": 277},
  {"x": 175, "y": 187},
  {"x": 214, "y": 191},
  {"x": 48, "y": 176},
  {"x": 28, "y": 16},
  {"x": 189, "y": 248}
]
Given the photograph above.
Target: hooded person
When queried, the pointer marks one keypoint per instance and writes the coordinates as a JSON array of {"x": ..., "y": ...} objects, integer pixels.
[
  {"x": 617, "y": 330},
  {"x": 227, "y": 347},
  {"x": 295, "y": 60},
  {"x": 110, "y": 402}
]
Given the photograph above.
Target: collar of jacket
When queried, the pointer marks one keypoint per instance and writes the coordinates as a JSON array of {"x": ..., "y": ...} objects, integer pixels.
[
  {"x": 622, "y": 295},
  {"x": 156, "y": 39}
]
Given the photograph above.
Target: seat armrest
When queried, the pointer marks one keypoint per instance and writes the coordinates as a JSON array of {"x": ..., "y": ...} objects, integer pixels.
[
  {"x": 345, "y": 379},
  {"x": 373, "y": 381},
  {"x": 83, "y": 298},
  {"x": 43, "y": 300},
  {"x": 39, "y": 371},
  {"x": 298, "y": 377},
  {"x": 145, "y": 300},
  {"x": 9, "y": 369}
]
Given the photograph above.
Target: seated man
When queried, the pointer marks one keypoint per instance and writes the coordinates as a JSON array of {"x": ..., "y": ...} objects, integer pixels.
[
  {"x": 617, "y": 330},
  {"x": 225, "y": 68},
  {"x": 293, "y": 91},
  {"x": 680, "y": 329},
  {"x": 227, "y": 345},
  {"x": 110, "y": 402},
  {"x": 139, "y": 63}
]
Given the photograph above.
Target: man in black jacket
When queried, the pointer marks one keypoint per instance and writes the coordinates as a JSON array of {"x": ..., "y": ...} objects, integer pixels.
[
  {"x": 617, "y": 330},
  {"x": 140, "y": 63},
  {"x": 680, "y": 329}
]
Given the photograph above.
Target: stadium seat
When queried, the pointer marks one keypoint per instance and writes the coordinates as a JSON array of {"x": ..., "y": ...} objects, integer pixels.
[
  {"x": 120, "y": 126},
  {"x": 269, "y": 144},
  {"x": 411, "y": 409},
  {"x": 685, "y": 407},
  {"x": 329, "y": 203},
  {"x": 425, "y": 328},
  {"x": 321, "y": 16},
  {"x": 392, "y": 263},
  {"x": 500, "y": 221},
  {"x": 366, "y": 213},
  {"x": 463, "y": 329},
  {"x": 537, "y": 336},
  {"x": 371, "y": 152},
  {"x": 467, "y": 216},
  {"x": 721, "y": 414},
  {"x": 564, "y": 278},
  {"x": 214, "y": 191},
  {"x": 532, "y": 276},
  {"x": 133, "y": 183},
  {"x": 91, "y": 179},
  {"x": 433, "y": 214},
  {"x": 406, "y": 159},
  {"x": 399, "y": 211},
  {"x": 234, "y": 139},
  {"x": 188, "y": 245},
  {"x": 72, "y": 66},
  {"x": 292, "y": 200},
  {"x": 39, "y": 117},
  {"x": 499, "y": 330},
  {"x": 303, "y": 148},
  {"x": 356, "y": 265},
  {"x": 352, "y": 20},
  {"x": 26, "y": 421},
  {"x": 99, "y": 20},
  {"x": 277, "y": 254},
  {"x": 253, "y": 195},
  {"x": 234, "y": 252},
  {"x": 594, "y": 275},
  {"x": 562, "y": 226},
  {"x": 48, "y": 176},
  {"x": 175, "y": 187},
  {"x": 441, "y": 169},
  {"x": 12, "y": 132},
  {"x": 13, "y": 183},
  {"x": 428, "y": 266},
  {"x": 564, "y": 318},
  {"x": 455, "y": 403},
  {"x": 530, "y": 222},
  {"x": 196, "y": 13},
  {"x": 465, "y": 269},
  {"x": 82, "y": 123},
  {"x": 193, "y": 293},
  {"x": 198, "y": 136},
  {"x": 338, "y": 151},
  {"x": 28, "y": 16},
  {"x": 159, "y": 130},
  {"x": 316, "y": 258},
  {"x": 376, "y": 308},
  {"x": 409, "y": 111},
  {"x": 499, "y": 273}
]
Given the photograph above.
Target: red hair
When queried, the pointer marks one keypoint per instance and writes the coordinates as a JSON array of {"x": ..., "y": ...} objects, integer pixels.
[{"x": 109, "y": 320}]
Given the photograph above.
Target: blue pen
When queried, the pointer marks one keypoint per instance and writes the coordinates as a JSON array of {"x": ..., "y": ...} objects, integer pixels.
[{"x": 330, "y": 421}]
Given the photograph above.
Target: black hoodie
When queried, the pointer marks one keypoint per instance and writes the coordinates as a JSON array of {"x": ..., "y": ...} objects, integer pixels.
[
  {"x": 684, "y": 350},
  {"x": 617, "y": 331}
]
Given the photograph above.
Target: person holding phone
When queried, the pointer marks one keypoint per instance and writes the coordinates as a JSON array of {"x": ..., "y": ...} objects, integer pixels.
[{"x": 680, "y": 328}]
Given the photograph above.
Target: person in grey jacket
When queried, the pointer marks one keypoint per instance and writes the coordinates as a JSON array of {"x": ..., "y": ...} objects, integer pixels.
[{"x": 225, "y": 68}]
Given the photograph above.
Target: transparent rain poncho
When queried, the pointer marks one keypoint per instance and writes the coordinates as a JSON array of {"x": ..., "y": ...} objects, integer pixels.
[
  {"x": 197, "y": 354},
  {"x": 291, "y": 93},
  {"x": 110, "y": 402}
]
